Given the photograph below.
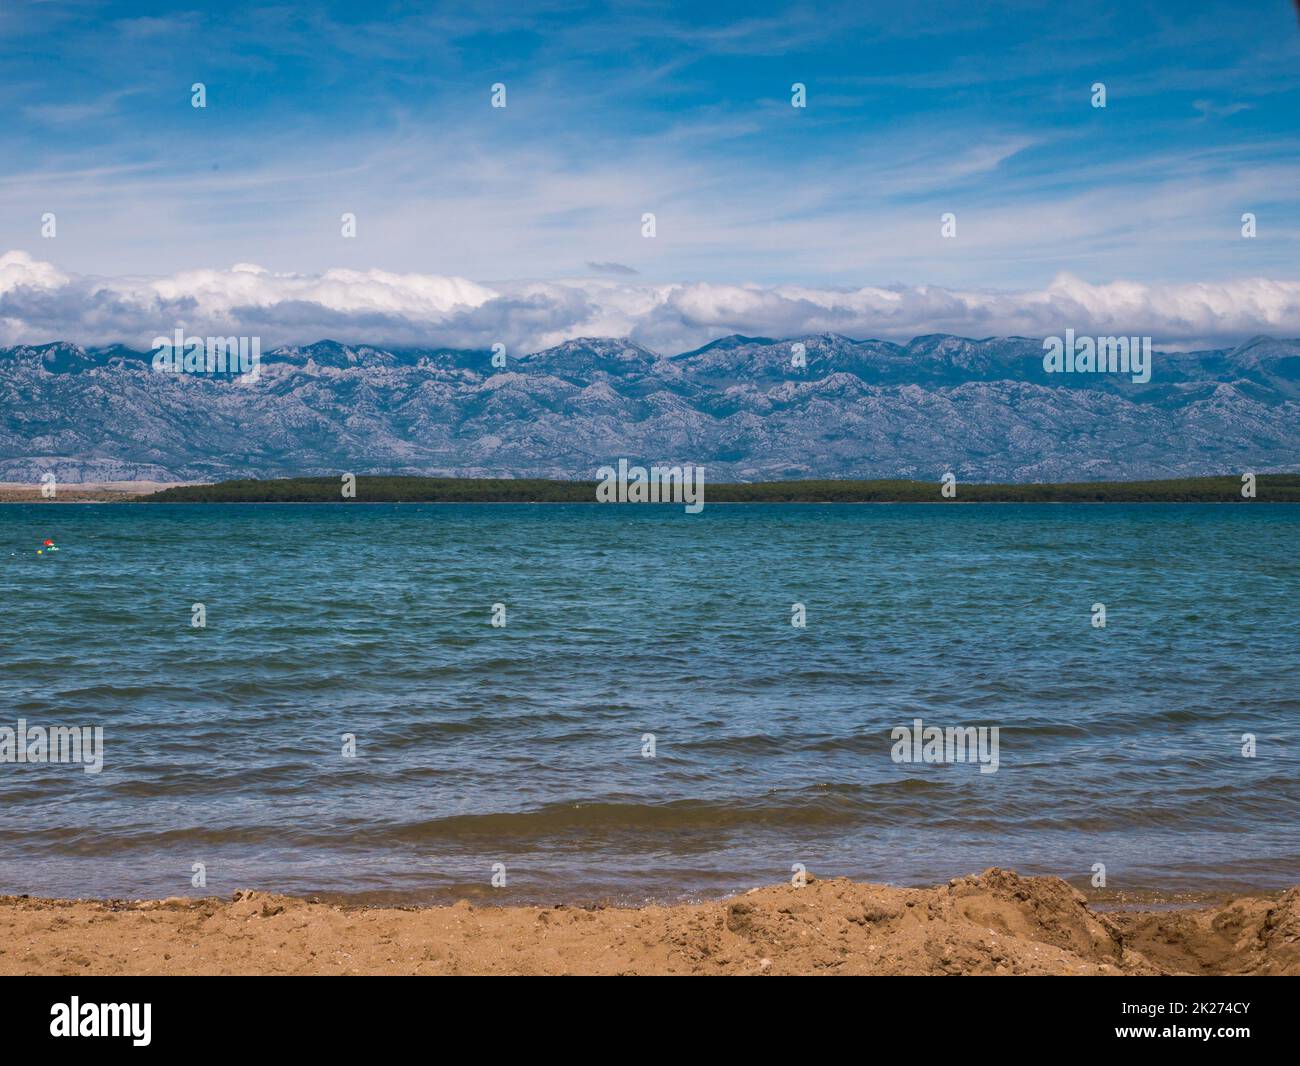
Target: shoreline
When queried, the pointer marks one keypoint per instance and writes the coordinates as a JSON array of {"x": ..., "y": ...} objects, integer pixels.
[
  {"x": 994, "y": 923},
  {"x": 84, "y": 492},
  {"x": 130, "y": 497},
  {"x": 384, "y": 489}
]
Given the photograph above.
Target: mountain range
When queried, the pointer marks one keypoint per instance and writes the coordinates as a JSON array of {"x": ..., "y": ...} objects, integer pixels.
[{"x": 984, "y": 409}]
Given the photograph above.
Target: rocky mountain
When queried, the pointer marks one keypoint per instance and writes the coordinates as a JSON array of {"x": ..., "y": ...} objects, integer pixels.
[{"x": 984, "y": 409}]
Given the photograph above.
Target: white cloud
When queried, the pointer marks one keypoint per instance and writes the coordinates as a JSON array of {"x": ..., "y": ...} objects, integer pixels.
[
  {"x": 20, "y": 270},
  {"x": 41, "y": 303}
]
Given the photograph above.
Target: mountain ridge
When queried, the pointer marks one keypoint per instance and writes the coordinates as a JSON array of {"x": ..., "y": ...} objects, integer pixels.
[{"x": 983, "y": 408}]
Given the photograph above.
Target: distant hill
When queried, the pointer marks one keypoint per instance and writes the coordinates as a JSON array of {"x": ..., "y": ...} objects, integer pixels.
[
  {"x": 984, "y": 409},
  {"x": 1276, "y": 488}
]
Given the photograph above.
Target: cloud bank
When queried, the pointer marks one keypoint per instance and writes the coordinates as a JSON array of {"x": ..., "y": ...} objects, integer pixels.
[{"x": 40, "y": 303}]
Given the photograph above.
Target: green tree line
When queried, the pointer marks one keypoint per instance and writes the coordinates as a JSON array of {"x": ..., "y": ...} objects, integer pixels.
[{"x": 1274, "y": 488}]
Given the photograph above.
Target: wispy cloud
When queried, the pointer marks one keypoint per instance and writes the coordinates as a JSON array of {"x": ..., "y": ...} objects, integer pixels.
[
  {"x": 1209, "y": 109},
  {"x": 383, "y": 111},
  {"x": 616, "y": 269}
]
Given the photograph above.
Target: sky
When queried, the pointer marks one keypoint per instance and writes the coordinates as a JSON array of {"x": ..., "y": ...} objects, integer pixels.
[{"x": 524, "y": 223}]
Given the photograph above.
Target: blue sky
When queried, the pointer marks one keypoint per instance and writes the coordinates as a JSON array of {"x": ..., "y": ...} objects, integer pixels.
[{"x": 383, "y": 109}]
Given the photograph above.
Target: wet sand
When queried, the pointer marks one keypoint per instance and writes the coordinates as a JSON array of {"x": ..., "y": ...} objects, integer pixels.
[{"x": 996, "y": 923}]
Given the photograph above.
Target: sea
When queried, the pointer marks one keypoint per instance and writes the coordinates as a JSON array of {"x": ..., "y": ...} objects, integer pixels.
[{"x": 416, "y": 703}]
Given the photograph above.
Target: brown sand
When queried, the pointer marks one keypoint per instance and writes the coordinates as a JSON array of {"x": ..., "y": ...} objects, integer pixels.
[
  {"x": 84, "y": 492},
  {"x": 996, "y": 923}
]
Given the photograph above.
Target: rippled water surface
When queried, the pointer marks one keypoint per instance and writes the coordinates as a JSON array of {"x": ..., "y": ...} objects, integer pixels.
[{"x": 523, "y": 745}]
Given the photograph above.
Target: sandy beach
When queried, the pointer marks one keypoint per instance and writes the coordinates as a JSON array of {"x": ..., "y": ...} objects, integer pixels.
[
  {"x": 994, "y": 923},
  {"x": 80, "y": 492}
]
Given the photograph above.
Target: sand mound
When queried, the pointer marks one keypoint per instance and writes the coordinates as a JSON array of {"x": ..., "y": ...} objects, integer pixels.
[
  {"x": 1246, "y": 936},
  {"x": 996, "y": 923}
]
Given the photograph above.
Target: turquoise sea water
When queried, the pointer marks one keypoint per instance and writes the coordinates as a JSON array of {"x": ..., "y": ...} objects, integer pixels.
[{"x": 523, "y": 745}]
